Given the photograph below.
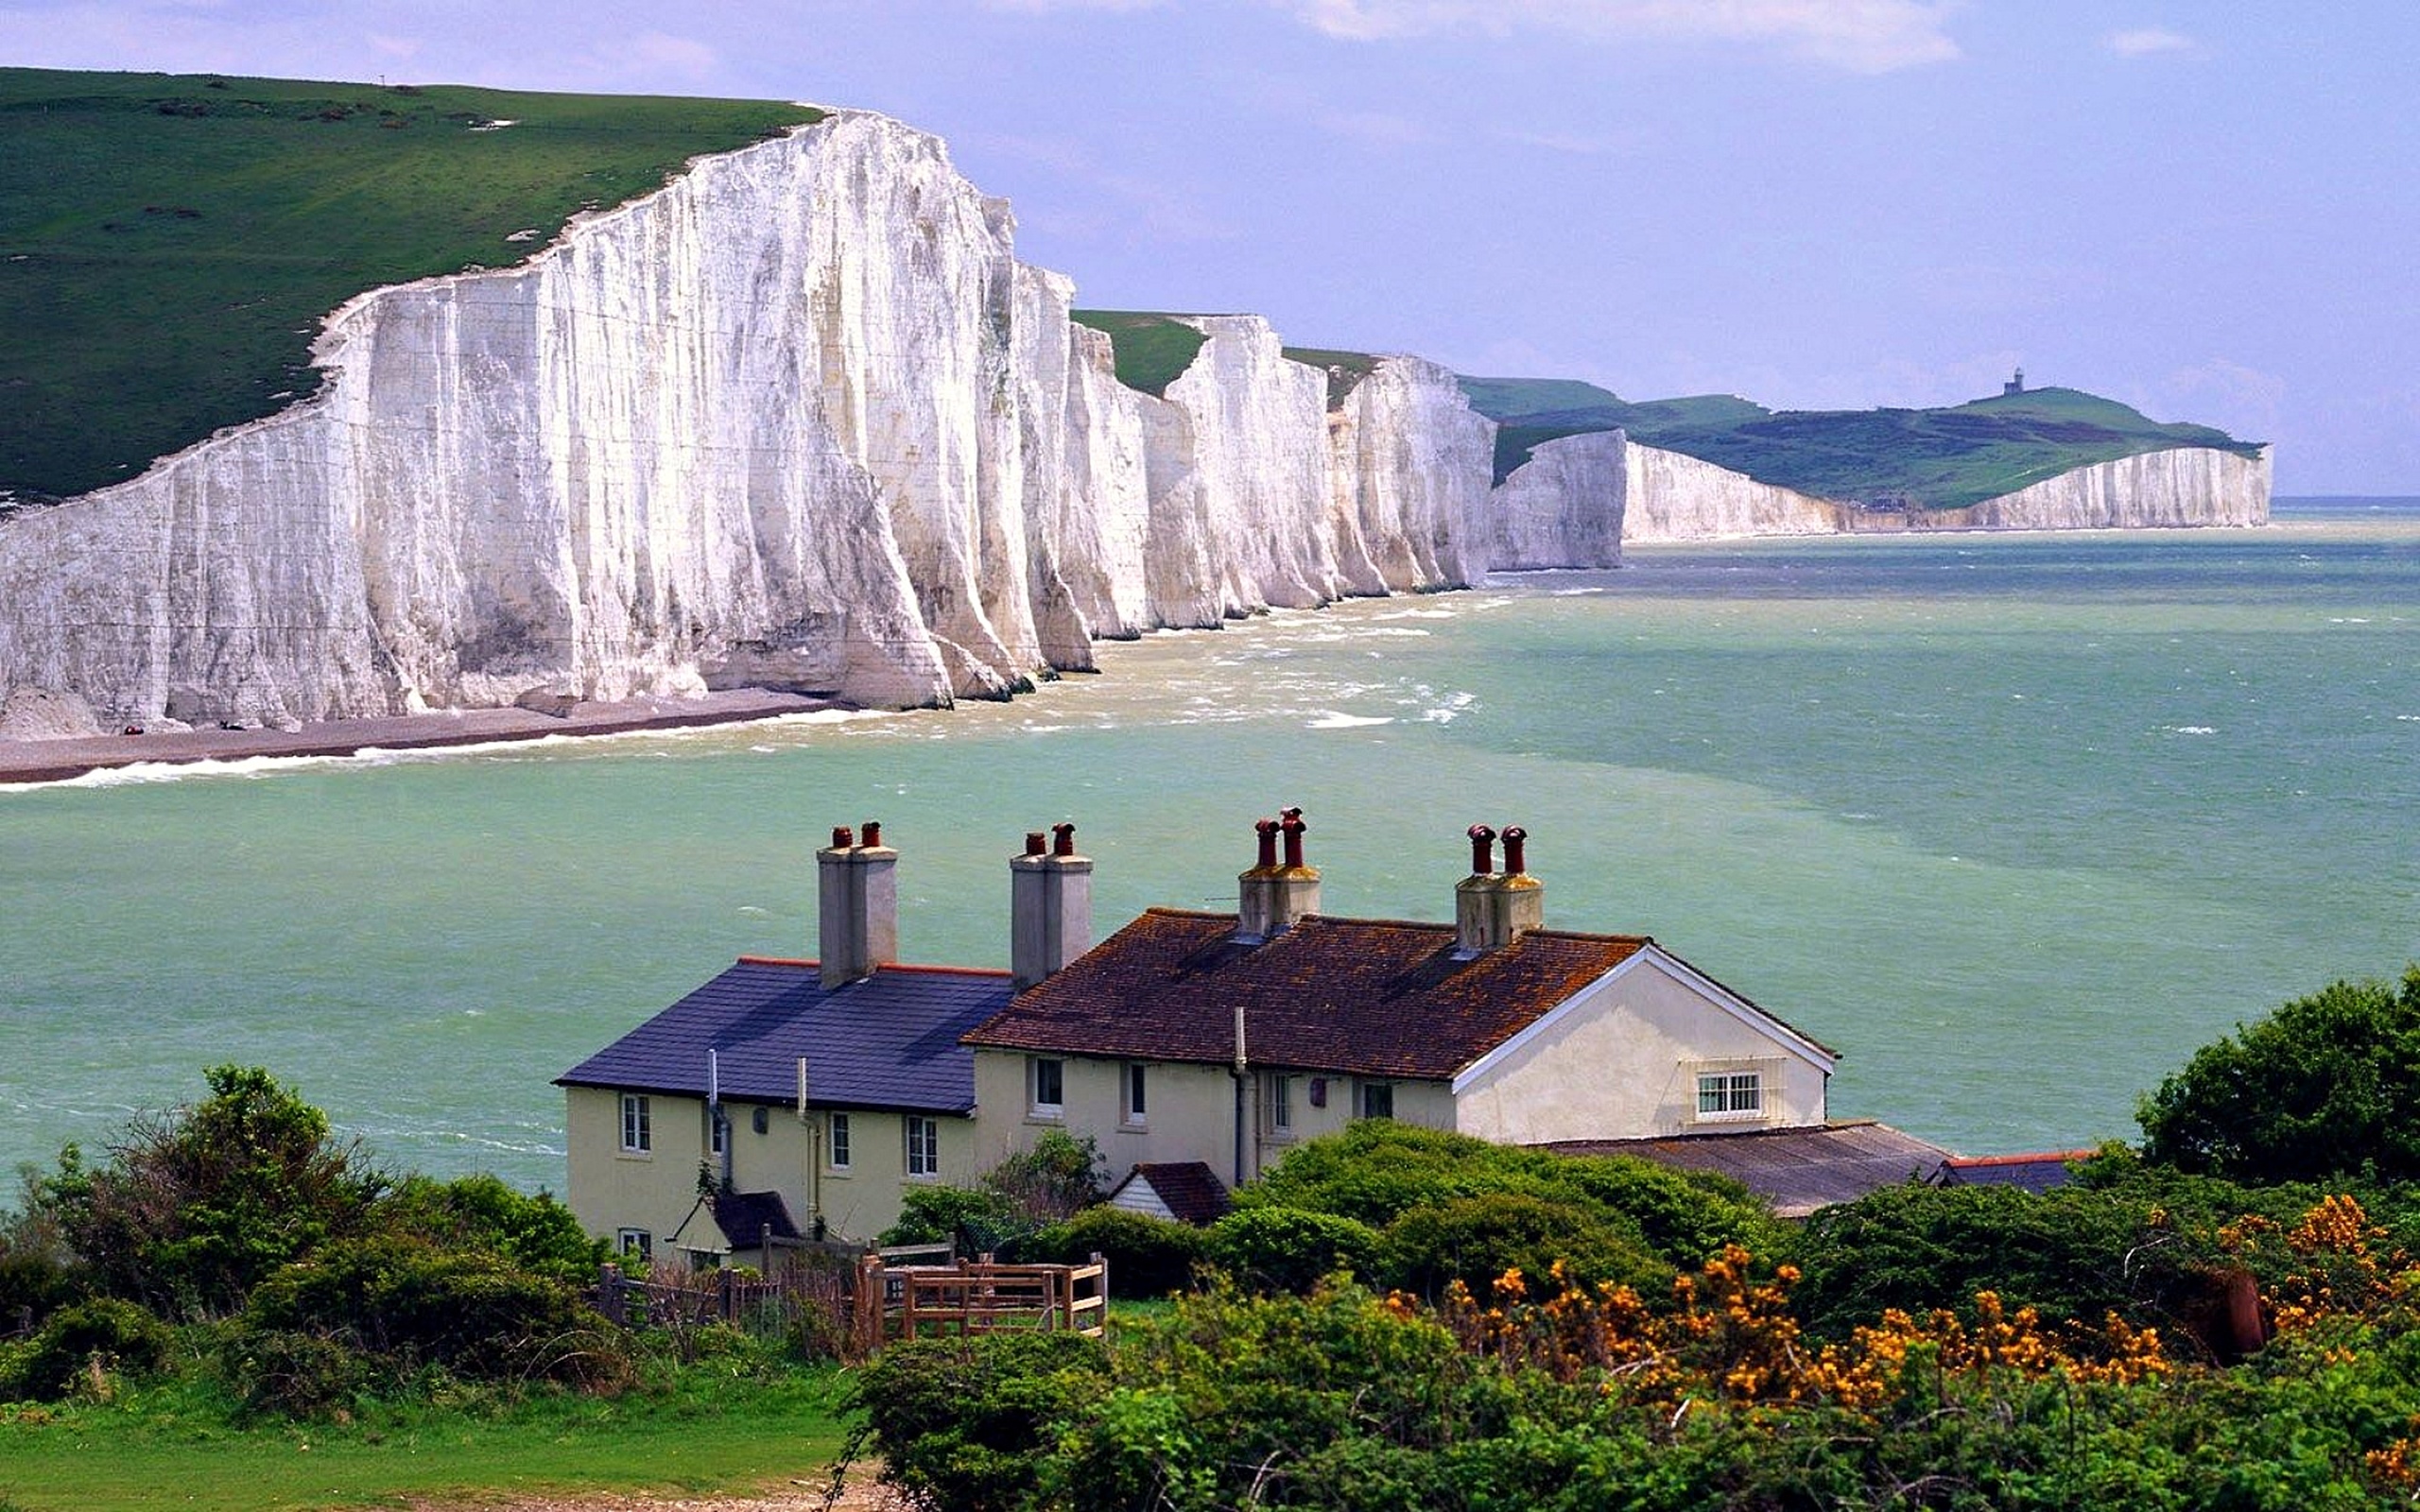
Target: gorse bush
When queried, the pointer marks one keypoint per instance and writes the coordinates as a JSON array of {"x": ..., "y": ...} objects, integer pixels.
[{"x": 537, "y": 1233}]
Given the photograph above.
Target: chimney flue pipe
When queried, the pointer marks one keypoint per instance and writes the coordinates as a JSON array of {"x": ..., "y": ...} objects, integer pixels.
[
  {"x": 1290, "y": 824},
  {"x": 1516, "y": 838},
  {"x": 1482, "y": 851}
]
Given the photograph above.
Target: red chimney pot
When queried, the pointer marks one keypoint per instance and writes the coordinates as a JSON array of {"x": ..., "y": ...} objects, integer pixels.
[
  {"x": 1292, "y": 823},
  {"x": 1266, "y": 829},
  {"x": 1064, "y": 840},
  {"x": 841, "y": 839},
  {"x": 1482, "y": 849},
  {"x": 872, "y": 830},
  {"x": 1033, "y": 842},
  {"x": 1516, "y": 838}
]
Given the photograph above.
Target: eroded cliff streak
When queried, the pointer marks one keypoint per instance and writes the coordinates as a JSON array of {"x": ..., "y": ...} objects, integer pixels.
[{"x": 801, "y": 420}]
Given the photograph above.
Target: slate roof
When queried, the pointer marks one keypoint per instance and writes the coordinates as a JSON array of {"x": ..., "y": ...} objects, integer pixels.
[
  {"x": 1358, "y": 996},
  {"x": 1188, "y": 1189},
  {"x": 889, "y": 1041},
  {"x": 744, "y": 1216},
  {"x": 1797, "y": 1169},
  {"x": 2036, "y": 1172}
]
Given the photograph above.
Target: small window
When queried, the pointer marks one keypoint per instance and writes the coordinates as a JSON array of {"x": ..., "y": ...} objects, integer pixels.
[
  {"x": 1378, "y": 1099},
  {"x": 1281, "y": 1104},
  {"x": 717, "y": 1131},
  {"x": 638, "y": 1129},
  {"x": 1137, "y": 1108},
  {"x": 923, "y": 1147},
  {"x": 1049, "y": 1085},
  {"x": 1731, "y": 1094},
  {"x": 840, "y": 1141},
  {"x": 634, "y": 1244}
]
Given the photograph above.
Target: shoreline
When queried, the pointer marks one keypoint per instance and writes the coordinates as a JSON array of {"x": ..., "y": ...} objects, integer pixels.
[{"x": 35, "y": 761}]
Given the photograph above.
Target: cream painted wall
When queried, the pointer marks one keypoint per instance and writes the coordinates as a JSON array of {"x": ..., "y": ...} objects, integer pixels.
[
  {"x": 1622, "y": 1063},
  {"x": 608, "y": 1190},
  {"x": 1190, "y": 1111}
]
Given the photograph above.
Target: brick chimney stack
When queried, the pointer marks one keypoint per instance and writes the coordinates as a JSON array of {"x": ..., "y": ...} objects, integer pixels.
[
  {"x": 1051, "y": 907},
  {"x": 1272, "y": 894},
  {"x": 857, "y": 905},
  {"x": 1494, "y": 909}
]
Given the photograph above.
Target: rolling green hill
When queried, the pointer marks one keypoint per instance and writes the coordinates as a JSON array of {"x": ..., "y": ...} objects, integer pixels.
[
  {"x": 169, "y": 243},
  {"x": 1919, "y": 458}
]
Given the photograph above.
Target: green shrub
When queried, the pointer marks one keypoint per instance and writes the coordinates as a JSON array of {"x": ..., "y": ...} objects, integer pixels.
[
  {"x": 469, "y": 1312},
  {"x": 2325, "y": 1087},
  {"x": 291, "y": 1374},
  {"x": 962, "y": 1422},
  {"x": 195, "y": 1206},
  {"x": 980, "y": 1220},
  {"x": 105, "y": 1335},
  {"x": 1147, "y": 1256},
  {"x": 537, "y": 1233},
  {"x": 1477, "y": 1239},
  {"x": 1291, "y": 1249},
  {"x": 33, "y": 1285}
]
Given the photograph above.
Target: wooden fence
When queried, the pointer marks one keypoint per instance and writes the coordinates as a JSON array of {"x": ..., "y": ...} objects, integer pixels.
[{"x": 849, "y": 1301}]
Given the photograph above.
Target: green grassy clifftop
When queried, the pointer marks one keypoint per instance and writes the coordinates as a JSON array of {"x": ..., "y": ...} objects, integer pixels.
[
  {"x": 168, "y": 244},
  {"x": 1920, "y": 459}
]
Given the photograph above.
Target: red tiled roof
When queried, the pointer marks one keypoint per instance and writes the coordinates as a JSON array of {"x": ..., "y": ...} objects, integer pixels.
[{"x": 1358, "y": 996}]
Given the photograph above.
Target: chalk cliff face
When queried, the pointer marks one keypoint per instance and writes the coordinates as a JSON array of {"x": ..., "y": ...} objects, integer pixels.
[
  {"x": 801, "y": 420},
  {"x": 1578, "y": 499}
]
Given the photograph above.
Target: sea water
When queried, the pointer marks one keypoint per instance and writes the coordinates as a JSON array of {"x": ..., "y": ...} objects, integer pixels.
[{"x": 2013, "y": 822}]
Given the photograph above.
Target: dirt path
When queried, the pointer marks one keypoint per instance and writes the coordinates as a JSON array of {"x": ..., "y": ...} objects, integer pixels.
[{"x": 862, "y": 1494}]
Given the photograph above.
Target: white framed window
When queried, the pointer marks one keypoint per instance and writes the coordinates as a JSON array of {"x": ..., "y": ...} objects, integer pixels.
[
  {"x": 1046, "y": 1083},
  {"x": 1278, "y": 1098},
  {"x": 1730, "y": 1096},
  {"x": 717, "y": 1131},
  {"x": 1378, "y": 1099},
  {"x": 923, "y": 1145},
  {"x": 634, "y": 1244},
  {"x": 836, "y": 1140},
  {"x": 1136, "y": 1106},
  {"x": 638, "y": 1125}
]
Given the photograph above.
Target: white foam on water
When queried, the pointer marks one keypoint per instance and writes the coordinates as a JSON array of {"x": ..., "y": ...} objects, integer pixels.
[
  {"x": 1333, "y": 719},
  {"x": 2190, "y": 730}
]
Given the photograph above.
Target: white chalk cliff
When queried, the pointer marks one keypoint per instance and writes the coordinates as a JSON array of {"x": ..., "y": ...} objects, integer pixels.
[
  {"x": 1578, "y": 499},
  {"x": 802, "y": 420},
  {"x": 799, "y": 419}
]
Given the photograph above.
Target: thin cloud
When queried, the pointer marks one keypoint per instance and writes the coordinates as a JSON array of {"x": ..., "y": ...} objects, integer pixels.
[
  {"x": 1864, "y": 36},
  {"x": 2153, "y": 41},
  {"x": 1044, "y": 7}
]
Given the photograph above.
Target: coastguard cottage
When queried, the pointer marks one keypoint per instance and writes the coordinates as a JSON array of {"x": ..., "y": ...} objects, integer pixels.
[{"x": 1196, "y": 1048}]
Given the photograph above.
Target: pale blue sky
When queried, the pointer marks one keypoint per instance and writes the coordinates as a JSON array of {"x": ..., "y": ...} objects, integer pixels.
[{"x": 2207, "y": 210}]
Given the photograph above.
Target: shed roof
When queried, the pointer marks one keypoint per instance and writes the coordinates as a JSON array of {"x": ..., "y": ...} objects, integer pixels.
[
  {"x": 1358, "y": 996},
  {"x": 1190, "y": 1190},
  {"x": 1797, "y": 1169},
  {"x": 887, "y": 1042}
]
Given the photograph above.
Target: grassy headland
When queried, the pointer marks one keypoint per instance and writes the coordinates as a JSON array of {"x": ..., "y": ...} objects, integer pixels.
[
  {"x": 1918, "y": 458},
  {"x": 168, "y": 243},
  {"x": 1151, "y": 350}
]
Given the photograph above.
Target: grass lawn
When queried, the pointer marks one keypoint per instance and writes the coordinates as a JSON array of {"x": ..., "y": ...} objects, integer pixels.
[
  {"x": 168, "y": 243},
  {"x": 165, "y": 1448}
]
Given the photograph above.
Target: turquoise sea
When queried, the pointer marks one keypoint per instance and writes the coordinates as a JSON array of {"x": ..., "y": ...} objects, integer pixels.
[{"x": 2013, "y": 821}]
